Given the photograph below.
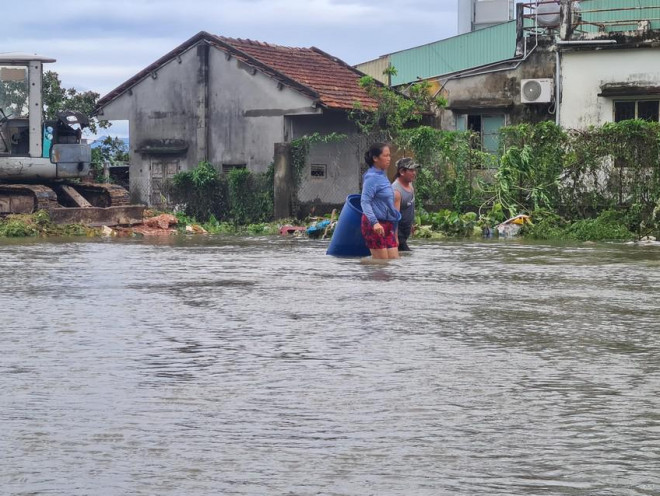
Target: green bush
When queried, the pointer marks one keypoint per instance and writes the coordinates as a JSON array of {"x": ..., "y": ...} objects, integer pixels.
[
  {"x": 39, "y": 224},
  {"x": 240, "y": 197},
  {"x": 16, "y": 228},
  {"x": 250, "y": 196},
  {"x": 202, "y": 192},
  {"x": 608, "y": 226},
  {"x": 450, "y": 222}
]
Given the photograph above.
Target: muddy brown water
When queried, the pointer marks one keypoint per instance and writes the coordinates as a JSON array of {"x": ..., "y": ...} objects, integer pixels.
[{"x": 256, "y": 366}]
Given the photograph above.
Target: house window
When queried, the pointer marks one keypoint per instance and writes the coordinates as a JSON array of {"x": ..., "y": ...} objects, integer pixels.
[
  {"x": 647, "y": 110},
  {"x": 319, "y": 171},
  {"x": 228, "y": 167},
  {"x": 486, "y": 126}
]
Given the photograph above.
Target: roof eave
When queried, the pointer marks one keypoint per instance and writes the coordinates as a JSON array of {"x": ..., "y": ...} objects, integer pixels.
[{"x": 218, "y": 43}]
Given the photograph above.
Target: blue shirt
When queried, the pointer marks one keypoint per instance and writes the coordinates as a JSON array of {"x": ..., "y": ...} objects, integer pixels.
[{"x": 377, "y": 198}]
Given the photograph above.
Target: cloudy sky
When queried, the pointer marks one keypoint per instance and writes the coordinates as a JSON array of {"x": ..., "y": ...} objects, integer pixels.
[{"x": 100, "y": 44}]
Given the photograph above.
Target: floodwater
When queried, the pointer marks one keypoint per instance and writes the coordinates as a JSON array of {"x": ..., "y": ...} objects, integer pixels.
[{"x": 235, "y": 366}]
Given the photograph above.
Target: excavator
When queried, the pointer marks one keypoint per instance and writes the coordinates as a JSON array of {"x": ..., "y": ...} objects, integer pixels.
[{"x": 45, "y": 164}]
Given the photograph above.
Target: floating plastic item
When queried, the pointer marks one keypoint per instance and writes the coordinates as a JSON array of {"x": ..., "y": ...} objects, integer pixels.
[
  {"x": 317, "y": 227},
  {"x": 289, "y": 229},
  {"x": 510, "y": 227},
  {"x": 347, "y": 240}
]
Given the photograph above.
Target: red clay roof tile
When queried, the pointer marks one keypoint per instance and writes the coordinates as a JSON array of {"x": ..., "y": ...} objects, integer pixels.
[{"x": 335, "y": 82}]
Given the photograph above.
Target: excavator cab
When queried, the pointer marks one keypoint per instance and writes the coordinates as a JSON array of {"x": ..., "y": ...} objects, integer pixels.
[
  {"x": 46, "y": 165},
  {"x": 54, "y": 148},
  {"x": 14, "y": 107}
]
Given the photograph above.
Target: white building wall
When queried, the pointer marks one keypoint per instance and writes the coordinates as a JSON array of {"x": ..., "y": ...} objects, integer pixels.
[{"x": 583, "y": 73}]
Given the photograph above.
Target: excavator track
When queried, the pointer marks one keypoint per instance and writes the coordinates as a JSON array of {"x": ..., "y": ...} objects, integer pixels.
[
  {"x": 68, "y": 202},
  {"x": 102, "y": 195},
  {"x": 26, "y": 198}
]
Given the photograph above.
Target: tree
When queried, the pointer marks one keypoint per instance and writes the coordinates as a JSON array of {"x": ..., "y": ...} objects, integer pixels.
[
  {"x": 394, "y": 109},
  {"x": 111, "y": 151},
  {"x": 57, "y": 98}
]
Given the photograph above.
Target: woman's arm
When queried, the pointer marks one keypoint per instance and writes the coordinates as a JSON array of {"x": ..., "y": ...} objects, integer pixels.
[{"x": 366, "y": 200}]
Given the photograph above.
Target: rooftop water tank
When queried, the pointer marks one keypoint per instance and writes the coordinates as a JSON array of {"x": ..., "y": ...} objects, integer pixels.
[{"x": 547, "y": 14}]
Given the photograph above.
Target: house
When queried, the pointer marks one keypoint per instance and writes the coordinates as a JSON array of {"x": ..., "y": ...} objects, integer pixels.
[
  {"x": 479, "y": 74},
  {"x": 575, "y": 63},
  {"x": 228, "y": 102}
]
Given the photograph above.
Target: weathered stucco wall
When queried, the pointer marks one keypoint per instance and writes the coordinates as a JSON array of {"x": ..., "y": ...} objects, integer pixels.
[
  {"x": 341, "y": 159},
  {"x": 498, "y": 91},
  {"x": 164, "y": 105},
  {"x": 230, "y": 114},
  {"x": 224, "y": 110},
  {"x": 247, "y": 110},
  {"x": 583, "y": 73}
]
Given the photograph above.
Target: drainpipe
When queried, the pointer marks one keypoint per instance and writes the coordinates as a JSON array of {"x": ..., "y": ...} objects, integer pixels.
[
  {"x": 585, "y": 42},
  {"x": 557, "y": 86}
]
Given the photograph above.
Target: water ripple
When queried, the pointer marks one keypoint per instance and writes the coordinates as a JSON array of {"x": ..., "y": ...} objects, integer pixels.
[{"x": 260, "y": 366}]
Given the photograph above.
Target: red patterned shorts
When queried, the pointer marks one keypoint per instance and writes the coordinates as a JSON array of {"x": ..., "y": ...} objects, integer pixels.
[{"x": 374, "y": 240}]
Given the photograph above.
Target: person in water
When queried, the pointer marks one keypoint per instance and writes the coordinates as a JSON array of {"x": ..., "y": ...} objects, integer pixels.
[
  {"x": 380, "y": 216},
  {"x": 404, "y": 198}
]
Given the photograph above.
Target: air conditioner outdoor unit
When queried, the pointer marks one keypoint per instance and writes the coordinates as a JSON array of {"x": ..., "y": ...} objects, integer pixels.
[{"x": 536, "y": 90}]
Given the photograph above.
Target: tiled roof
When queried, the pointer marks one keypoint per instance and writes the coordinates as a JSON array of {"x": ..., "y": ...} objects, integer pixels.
[
  {"x": 335, "y": 82},
  {"x": 331, "y": 82}
]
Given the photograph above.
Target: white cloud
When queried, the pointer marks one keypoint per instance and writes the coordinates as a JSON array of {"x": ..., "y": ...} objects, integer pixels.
[{"x": 99, "y": 45}]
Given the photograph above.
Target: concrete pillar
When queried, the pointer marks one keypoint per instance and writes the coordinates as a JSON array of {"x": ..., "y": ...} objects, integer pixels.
[
  {"x": 520, "y": 24},
  {"x": 202, "y": 102},
  {"x": 283, "y": 181},
  {"x": 566, "y": 19}
]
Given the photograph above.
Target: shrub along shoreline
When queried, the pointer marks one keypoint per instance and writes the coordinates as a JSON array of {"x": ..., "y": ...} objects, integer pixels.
[
  {"x": 439, "y": 225},
  {"x": 599, "y": 184}
]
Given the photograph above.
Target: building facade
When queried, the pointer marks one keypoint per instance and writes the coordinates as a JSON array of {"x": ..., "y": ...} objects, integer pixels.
[{"x": 228, "y": 102}]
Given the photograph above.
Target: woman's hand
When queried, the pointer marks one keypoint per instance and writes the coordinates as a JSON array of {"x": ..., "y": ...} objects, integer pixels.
[{"x": 378, "y": 229}]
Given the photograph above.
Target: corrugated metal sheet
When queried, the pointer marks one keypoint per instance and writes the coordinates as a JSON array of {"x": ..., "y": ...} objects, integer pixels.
[
  {"x": 461, "y": 52},
  {"x": 375, "y": 68},
  {"x": 497, "y": 43},
  {"x": 618, "y": 15}
]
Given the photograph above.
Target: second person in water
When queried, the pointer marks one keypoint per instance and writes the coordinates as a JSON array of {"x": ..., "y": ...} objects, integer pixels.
[
  {"x": 380, "y": 216},
  {"x": 404, "y": 198}
]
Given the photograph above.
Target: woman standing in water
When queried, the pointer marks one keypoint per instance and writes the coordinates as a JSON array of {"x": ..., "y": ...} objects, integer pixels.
[{"x": 380, "y": 217}]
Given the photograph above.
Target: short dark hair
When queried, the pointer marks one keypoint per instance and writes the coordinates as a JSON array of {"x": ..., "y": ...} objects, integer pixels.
[{"x": 374, "y": 151}]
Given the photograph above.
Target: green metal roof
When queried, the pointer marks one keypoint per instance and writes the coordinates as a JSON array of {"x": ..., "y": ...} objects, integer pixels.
[
  {"x": 618, "y": 15},
  {"x": 497, "y": 43},
  {"x": 458, "y": 53}
]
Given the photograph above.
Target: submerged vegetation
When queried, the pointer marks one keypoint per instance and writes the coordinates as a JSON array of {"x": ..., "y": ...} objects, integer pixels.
[{"x": 40, "y": 225}]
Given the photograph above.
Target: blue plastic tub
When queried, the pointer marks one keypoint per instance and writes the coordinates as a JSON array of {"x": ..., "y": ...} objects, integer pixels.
[{"x": 347, "y": 240}]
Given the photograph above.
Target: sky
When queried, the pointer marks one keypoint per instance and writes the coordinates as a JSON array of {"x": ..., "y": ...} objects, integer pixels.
[{"x": 99, "y": 44}]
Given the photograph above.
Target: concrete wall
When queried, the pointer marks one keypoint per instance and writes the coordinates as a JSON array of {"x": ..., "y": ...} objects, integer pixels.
[
  {"x": 229, "y": 113},
  {"x": 375, "y": 68},
  {"x": 583, "y": 73},
  {"x": 342, "y": 159},
  {"x": 165, "y": 105},
  {"x": 245, "y": 116},
  {"x": 247, "y": 110},
  {"x": 498, "y": 92}
]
